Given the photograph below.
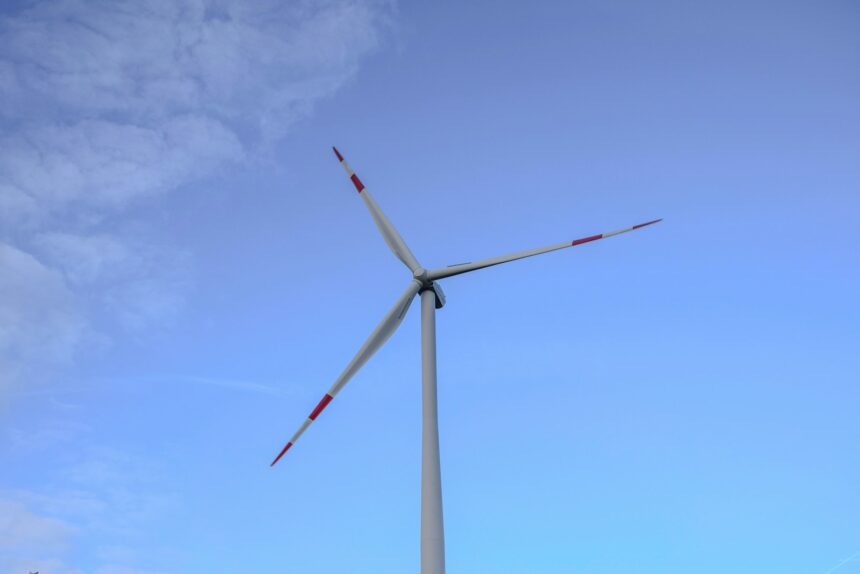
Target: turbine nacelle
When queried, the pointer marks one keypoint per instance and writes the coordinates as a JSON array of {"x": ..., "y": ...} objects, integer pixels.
[{"x": 437, "y": 290}]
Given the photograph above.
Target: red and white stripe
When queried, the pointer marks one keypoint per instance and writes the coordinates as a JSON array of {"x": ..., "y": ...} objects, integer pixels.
[
  {"x": 461, "y": 268},
  {"x": 311, "y": 418},
  {"x": 355, "y": 181},
  {"x": 376, "y": 339},
  {"x": 389, "y": 233},
  {"x": 611, "y": 233}
]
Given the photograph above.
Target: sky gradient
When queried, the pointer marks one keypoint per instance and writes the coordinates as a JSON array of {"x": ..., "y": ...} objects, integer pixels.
[{"x": 185, "y": 269}]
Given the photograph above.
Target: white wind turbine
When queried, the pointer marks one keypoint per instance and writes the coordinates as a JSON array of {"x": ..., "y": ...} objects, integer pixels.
[{"x": 424, "y": 282}]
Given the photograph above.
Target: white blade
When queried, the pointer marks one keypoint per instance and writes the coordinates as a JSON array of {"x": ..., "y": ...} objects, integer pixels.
[
  {"x": 466, "y": 267},
  {"x": 376, "y": 339},
  {"x": 389, "y": 233}
]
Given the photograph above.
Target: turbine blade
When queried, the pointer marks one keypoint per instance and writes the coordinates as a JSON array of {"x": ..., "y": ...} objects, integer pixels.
[
  {"x": 389, "y": 233},
  {"x": 467, "y": 267},
  {"x": 376, "y": 339}
]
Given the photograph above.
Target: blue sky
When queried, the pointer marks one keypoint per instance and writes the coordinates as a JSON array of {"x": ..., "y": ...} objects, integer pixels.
[{"x": 185, "y": 269}]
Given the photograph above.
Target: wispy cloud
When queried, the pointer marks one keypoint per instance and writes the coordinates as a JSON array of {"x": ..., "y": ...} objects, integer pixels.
[{"x": 112, "y": 103}]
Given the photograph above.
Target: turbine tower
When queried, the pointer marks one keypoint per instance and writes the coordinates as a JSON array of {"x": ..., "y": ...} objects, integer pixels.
[{"x": 425, "y": 283}]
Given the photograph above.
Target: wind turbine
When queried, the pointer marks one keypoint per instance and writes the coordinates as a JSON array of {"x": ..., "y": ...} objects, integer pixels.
[{"x": 426, "y": 283}]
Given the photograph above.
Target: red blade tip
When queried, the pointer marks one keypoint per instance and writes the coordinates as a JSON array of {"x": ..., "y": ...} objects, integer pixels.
[
  {"x": 337, "y": 153},
  {"x": 280, "y": 454},
  {"x": 648, "y": 223}
]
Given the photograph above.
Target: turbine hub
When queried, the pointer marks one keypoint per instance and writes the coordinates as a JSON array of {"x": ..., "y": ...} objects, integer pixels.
[{"x": 420, "y": 274}]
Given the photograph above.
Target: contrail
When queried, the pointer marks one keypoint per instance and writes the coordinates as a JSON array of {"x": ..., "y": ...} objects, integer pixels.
[
  {"x": 231, "y": 384},
  {"x": 236, "y": 385},
  {"x": 849, "y": 559}
]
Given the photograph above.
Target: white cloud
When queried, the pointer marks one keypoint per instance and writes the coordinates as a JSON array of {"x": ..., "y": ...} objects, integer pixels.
[
  {"x": 135, "y": 282},
  {"x": 86, "y": 260},
  {"x": 146, "y": 95},
  {"x": 32, "y": 542},
  {"x": 40, "y": 321},
  {"x": 24, "y": 531},
  {"x": 103, "y": 164},
  {"x": 110, "y": 103},
  {"x": 102, "y": 496}
]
